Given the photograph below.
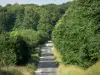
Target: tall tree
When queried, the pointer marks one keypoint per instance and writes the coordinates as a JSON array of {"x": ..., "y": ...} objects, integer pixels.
[
  {"x": 77, "y": 34},
  {"x": 31, "y": 18},
  {"x": 19, "y": 17}
]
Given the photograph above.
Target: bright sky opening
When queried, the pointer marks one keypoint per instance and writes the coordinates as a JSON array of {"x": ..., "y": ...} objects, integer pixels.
[{"x": 39, "y": 2}]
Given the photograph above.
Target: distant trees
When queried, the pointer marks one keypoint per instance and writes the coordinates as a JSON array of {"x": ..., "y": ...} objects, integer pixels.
[
  {"x": 7, "y": 18},
  {"x": 23, "y": 27},
  {"x": 76, "y": 35},
  {"x": 45, "y": 27},
  {"x": 31, "y": 18},
  {"x": 19, "y": 17}
]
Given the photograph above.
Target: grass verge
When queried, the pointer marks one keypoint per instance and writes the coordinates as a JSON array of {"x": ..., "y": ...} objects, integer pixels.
[
  {"x": 28, "y": 69},
  {"x": 75, "y": 70}
]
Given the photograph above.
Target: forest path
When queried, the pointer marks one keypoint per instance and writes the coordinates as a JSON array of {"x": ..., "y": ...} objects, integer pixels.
[{"x": 46, "y": 65}]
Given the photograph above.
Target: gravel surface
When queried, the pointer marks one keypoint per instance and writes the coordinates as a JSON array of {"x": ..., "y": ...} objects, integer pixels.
[{"x": 46, "y": 64}]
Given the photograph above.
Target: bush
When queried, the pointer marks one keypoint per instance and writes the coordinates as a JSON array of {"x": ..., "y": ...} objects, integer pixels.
[
  {"x": 13, "y": 51},
  {"x": 31, "y": 37},
  {"x": 77, "y": 34},
  {"x": 22, "y": 51},
  {"x": 16, "y": 46},
  {"x": 7, "y": 51}
]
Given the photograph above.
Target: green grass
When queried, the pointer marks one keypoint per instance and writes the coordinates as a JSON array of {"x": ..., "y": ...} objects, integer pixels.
[{"x": 75, "y": 70}]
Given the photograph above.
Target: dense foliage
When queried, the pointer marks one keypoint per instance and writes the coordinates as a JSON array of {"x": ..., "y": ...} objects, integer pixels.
[
  {"x": 7, "y": 51},
  {"x": 23, "y": 27},
  {"x": 13, "y": 51},
  {"x": 77, "y": 34}
]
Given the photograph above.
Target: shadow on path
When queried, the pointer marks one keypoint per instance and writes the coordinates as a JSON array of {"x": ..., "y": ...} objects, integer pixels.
[{"x": 46, "y": 65}]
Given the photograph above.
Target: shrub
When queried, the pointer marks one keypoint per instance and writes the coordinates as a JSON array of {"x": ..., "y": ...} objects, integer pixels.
[
  {"x": 7, "y": 51},
  {"x": 13, "y": 51},
  {"x": 31, "y": 37},
  {"x": 22, "y": 51},
  {"x": 77, "y": 34}
]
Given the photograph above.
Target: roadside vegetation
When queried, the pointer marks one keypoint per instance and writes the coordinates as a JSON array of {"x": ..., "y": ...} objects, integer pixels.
[
  {"x": 23, "y": 29},
  {"x": 76, "y": 39},
  {"x": 75, "y": 70},
  {"x": 76, "y": 35}
]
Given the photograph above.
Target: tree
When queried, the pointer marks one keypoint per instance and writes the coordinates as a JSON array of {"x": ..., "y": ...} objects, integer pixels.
[
  {"x": 7, "y": 19},
  {"x": 31, "y": 18},
  {"x": 45, "y": 27},
  {"x": 19, "y": 17},
  {"x": 77, "y": 34},
  {"x": 26, "y": 25}
]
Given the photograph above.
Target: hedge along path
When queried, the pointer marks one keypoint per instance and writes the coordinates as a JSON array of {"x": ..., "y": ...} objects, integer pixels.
[{"x": 46, "y": 64}]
